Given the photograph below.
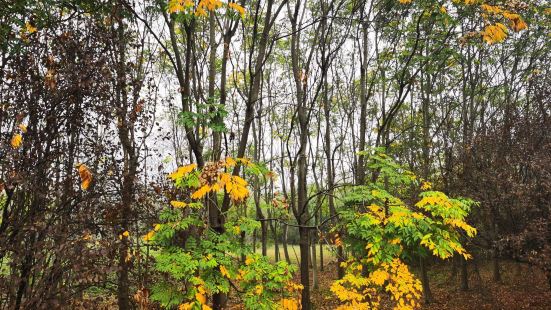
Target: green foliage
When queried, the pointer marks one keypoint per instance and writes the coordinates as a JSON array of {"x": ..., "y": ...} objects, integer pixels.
[
  {"x": 263, "y": 282},
  {"x": 382, "y": 229},
  {"x": 197, "y": 261},
  {"x": 209, "y": 115}
]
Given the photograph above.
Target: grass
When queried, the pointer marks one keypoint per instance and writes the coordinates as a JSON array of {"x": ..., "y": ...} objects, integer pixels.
[{"x": 294, "y": 253}]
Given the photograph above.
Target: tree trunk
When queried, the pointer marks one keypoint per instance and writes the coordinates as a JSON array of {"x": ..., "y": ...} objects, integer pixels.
[
  {"x": 304, "y": 268},
  {"x": 315, "y": 284},
  {"x": 464, "y": 275},
  {"x": 285, "y": 248},
  {"x": 276, "y": 245},
  {"x": 453, "y": 272},
  {"x": 427, "y": 294},
  {"x": 321, "y": 244}
]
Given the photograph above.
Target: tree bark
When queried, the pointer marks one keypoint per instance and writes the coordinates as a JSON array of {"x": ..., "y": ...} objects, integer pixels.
[
  {"x": 464, "y": 275},
  {"x": 427, "y": 294}
]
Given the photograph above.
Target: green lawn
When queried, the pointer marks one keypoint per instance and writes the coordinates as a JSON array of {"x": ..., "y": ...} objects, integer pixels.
[{"x": 294, "y": 252}]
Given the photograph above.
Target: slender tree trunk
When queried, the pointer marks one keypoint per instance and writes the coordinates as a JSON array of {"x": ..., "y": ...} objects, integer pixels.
[
  {"x": 276, "y": 244},
  {"x": 315, "y": 284},
  {"x": 321, "y": 244},
  {"x": 453, "y": 272},
  {"x": 304, "y": 268},
  {"x": 130, "y": 162},
  {"x": 360, "y": 169},
  {"x": 464, "y": 286},
  {"x": 285, "y": 247},
  {"x": 427, "y": 294}
]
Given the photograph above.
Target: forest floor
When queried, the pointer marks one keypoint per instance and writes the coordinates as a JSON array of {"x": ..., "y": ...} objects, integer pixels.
[{"x": 522, "y": 287}]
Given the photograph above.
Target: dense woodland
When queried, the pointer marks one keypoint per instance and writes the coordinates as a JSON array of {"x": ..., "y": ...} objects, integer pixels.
[{"x": 275, "y": 154}]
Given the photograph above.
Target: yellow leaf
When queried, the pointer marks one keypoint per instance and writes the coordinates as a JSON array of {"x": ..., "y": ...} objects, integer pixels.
[
  {"x": 230, "y": 162},
  {"x": 186, "y": 306},
  {"x": 175, "y": 6},
  {"x": 178, "y": 204},
  {"x": 149, "y": 236},
  {"x": 517, "y": 23},
  {"x": 258, "y": 289},
  {"x": 85, "y": 176},
  {"x": 236, "y": 230},
  {"x": 23, "y": 128},
  {"x": 290, "y": 304},
  {"x": 201, "y": 192},
  {"x": 426, "y": 185},
  {"x": 30, "y": 28},
  {"x": 236, "y": 7},
  {"x": 201, "y": 289},
  {"x": 494, "y": 33},
  {"x": 224, "y": 272},
  {"x": 491, "y": 8},
  {"x": 16, "y": 141},
  {"x": 200, "y": 12},
  {"x": 200, "y": 298},
  {"x": 182, "y": 171}
]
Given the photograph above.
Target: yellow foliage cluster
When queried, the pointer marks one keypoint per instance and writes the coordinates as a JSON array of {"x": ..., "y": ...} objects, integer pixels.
[
  {"x": 354, "y": 291},
  {"x": 178, "y": 204},
  {"x": 175, "y": 6},
  {"x": 236, "y": 7},
  {"x": 202, "y": 7},
  {"x": 404, "y": 288},
  {"x": 433, "y": 200},
  {"x": 290, "y": 304},
  {"x": 426, "y": 185},
  {"x": 516, "y": 22},
  {"x": 471, "y": 231},
  {"x": 494, "y": 33},
  {"x": 358, "y": 292},
  {"x": 235, "y": 186},
  {"x": 207, "y": 5},
  {"x": 200, "y": 299},
  {"x": 182, "y": 171},
  {"x": 249, "y": 260},
  {"x": 224, "y": 272}
]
